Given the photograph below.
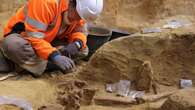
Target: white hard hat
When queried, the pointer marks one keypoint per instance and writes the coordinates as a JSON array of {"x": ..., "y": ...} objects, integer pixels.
[{"x": 89, "y": 10}]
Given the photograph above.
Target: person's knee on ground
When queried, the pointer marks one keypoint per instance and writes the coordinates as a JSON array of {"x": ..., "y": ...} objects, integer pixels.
[{"x": 20, "y": 51}]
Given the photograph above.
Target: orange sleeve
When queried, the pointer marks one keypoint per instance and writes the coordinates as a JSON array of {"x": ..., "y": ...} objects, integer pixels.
[
  {"x": 42, "y": 11},
  {"x": 43, "y": 48},
  {"x": 18, "y": 17},
  {"x": 78, "y": 34}
]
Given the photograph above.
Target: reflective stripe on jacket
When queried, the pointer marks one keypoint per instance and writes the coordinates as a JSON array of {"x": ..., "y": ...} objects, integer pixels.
[{"x": 42, "y": 19}]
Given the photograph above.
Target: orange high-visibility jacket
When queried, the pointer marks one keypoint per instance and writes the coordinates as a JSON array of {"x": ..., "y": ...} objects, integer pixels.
[{"x": 42, "y": 19}]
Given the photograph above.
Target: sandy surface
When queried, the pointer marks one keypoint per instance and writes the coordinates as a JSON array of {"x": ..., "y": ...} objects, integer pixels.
[
  {"x": 37, "y": 92},
  {"x": 130, "y": 15}
]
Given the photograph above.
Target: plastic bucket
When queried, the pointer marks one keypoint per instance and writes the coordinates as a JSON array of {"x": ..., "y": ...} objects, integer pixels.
[
  {"x": 97, "y": 36},
  {"x": 118, "y": 33}
]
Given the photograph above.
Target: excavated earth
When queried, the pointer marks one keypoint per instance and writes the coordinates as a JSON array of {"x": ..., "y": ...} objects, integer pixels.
[{"x": 170, "y": 53}]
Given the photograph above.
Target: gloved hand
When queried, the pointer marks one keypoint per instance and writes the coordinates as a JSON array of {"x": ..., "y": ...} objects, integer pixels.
[
  {"x": 63, "y": 62},
  {"x": 71, "y": 49}
]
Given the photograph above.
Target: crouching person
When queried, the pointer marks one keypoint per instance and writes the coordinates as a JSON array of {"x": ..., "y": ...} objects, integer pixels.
[{"x": 52, "y": 31}]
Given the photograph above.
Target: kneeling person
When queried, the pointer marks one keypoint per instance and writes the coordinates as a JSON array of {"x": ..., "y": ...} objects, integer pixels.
[{"x": 31, "y": 35}]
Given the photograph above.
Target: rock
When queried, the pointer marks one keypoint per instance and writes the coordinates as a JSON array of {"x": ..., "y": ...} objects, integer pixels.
[
  {"x": 70, "y": 94},
  {"x": 182, "y": 100},
  {"x": 88, "y": 95},
  {"x": 73, "y": 93},
  {"x": 73, "y": 102},
  {"x": 144, "y": 77}
]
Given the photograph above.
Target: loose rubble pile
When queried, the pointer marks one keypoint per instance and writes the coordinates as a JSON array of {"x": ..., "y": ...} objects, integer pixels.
[{"x": 73, "y": 94}]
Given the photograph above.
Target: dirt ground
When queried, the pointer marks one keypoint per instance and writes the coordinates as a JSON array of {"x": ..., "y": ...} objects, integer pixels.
[
  {"x": 38, "y": 92},
  {"x": 172, "y": 57},
  {"x": 132, "y": 15}
]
